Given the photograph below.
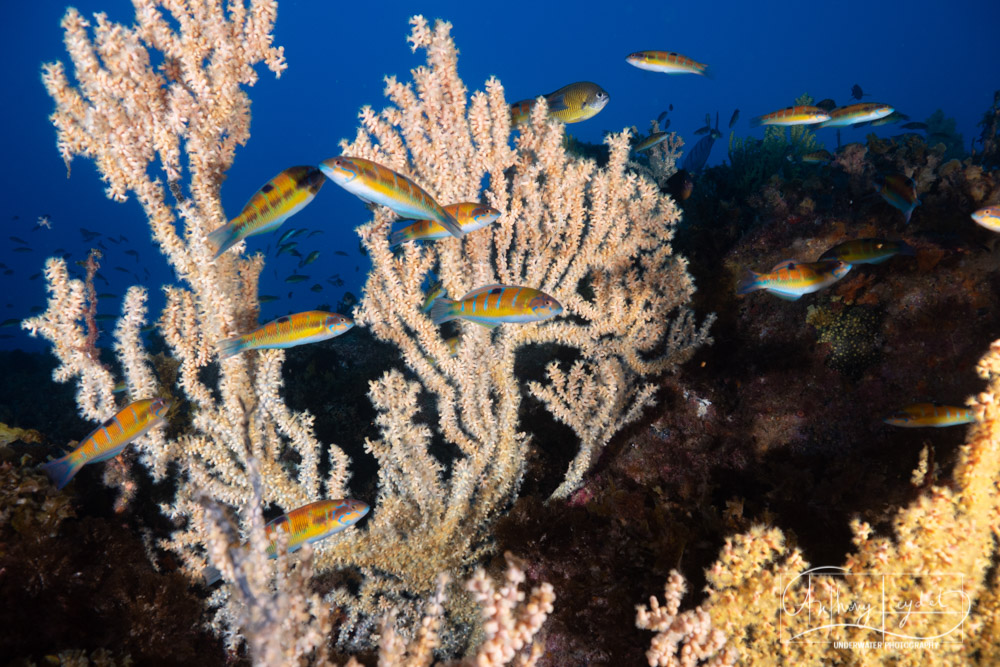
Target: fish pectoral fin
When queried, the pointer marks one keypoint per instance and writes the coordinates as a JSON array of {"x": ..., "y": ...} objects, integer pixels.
[{"x": 489, "y": 325}]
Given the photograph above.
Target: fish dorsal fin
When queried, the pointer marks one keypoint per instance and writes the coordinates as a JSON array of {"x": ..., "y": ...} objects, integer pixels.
[
  {"x": 557, "y": 102},
  {"x": 785, "y": 264},
  {"x": 479, "y": 290}
]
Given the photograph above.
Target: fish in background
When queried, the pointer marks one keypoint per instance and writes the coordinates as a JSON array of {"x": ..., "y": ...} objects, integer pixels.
[
  {"x": 306, "y": 525},
  {"x": 802, "y": 114},
  {"x": 930, "y": 414},
  {"x": 857, "y": 93},
  {"x": 868, "y": 251},
  {"x": 570, "y": 104},
  {"x": 650, "y": 141},
  {"x": 667, "y": 62},
  {"x": 988, "y": 217},
  {"x": 853, "y": 114},
  {"x": 471, "y": 216},
  {"x": 277, "y": 200},
  {"x": 901, "y": 192},
  {"x": 297, "y": 329},
  {"x": 109, "y": 439},
  {"x": 696, "y": 158},
  {"x": 822, "y": 156},
  {"x": 826, "y": 105},
  {"x": 789, "y": 279},
  {"x": 734, "y": 118},
  {"x": 493, "y": 305},
  {"x": 680, "y": 185},
  {"x": 373, "y": 183}
]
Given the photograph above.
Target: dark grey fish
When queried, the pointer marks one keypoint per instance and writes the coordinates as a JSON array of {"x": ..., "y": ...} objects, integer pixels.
[
  {"x": 703, "y": 130},
  {"x": 857, "y": 93},
  {"x": 736, "y": 117},
  {"x": 340, "y": 252},
  {"x": 698, "y": 156},
  {"x": 661, "y": 117},
  {"x": 316, "y": 288},
  {"x": 826, "y": 105},
  {"x": 17, "y": 240}
]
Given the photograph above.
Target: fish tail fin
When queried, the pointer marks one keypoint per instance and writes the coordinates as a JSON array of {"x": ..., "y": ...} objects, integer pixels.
[
  {"x": 230, "y": 347},
  {"x": 222, "y": 239},
  {"x": 908, "y": 214},
  {"x": 449, "y": 222},
  {"x": 398, "y": 234},
  {"x": 211, "y": 575},
  {"x": 61, "y": 471},
  {"x": 441, "y": 310},
  {"x": 708, "y": 72},
  {"x": 756, "y": 121},
  {"x": 748, "y": 283}
]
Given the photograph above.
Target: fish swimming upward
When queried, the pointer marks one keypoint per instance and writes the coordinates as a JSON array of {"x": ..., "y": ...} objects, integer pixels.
[
  {"x": 930, "y": 414},
  {"x": 109, "y": 439},
  {"x": 307, "y": 525},
  {"x": 857, "y": 113},
  {"x": 667, "y": 62},
  {"x": 867, "y": 251},
  {"x": 372, "y": 182},
  {"x": 794, "y": 115},
  {"x": 789, "y": 279},
  {"x": 901, "y": 192},
  {"x": 570, "y": 104},
  {"x": 494, "y": 305},
  {"x": 297, "y": 329},
  {"x": 988, "y": 217},
  {"x": 279, "y": 199},
  {"x": 470, "y": 216}
]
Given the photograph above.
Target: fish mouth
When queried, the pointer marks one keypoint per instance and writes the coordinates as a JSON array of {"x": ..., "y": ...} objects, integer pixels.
[{"x": 336, "y": 170}]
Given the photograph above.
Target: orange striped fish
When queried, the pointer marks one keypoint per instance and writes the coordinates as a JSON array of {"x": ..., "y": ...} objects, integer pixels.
[
  {"x": 109, "y": 439},
  {"x": 313, "y": 522},
  {"x": 930, "y": 414},
  {"x": 857, "y": 113},
  {"x": 279, "y": 199},
  {"x": 493, "y": 305},
  {"x": 900, "y": 191},
  {"x": 380, "y": 185},
  {"x": 988, "y": 217},
  {"x": 470, "y": 216},
  {"x": 667, "y": 62},
  {"x": 311, "y": 326},
  {"x": 306, "y": 525},
  {"x": 789, "y": 279},
  {"x": 794, "y": 115}
]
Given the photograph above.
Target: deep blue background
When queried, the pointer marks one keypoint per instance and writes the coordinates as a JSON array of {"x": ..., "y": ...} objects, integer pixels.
[{"x": 917, "y": 56}]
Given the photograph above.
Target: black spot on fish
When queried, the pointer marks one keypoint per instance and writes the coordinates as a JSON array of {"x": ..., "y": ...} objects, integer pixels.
[
  {"x": 283, "y": 319},
  {"x": 267, "y": 188}
]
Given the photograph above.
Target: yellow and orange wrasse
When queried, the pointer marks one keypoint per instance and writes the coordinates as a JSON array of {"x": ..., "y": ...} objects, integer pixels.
[
  {"x": 789, "y": 279},
  {"x": 307, "y": 525},
  {"x": 794, "y": 115},
  {"x": 314, "y": 522},
  {"x": 667, "y": 62},
  {"x": 279, "y": 199},
  {"x": 988, "y": 217},
  {"x": 494, "y": 305},
  {"x": 373, "y": 183},
  {"x": 863, "y": 112},
  {"x": 432, "y": 294},
  {"x": 930, "y": 415},
  {"x": 570, "y": 104},
  {"x": 470, "y": 216},
  {"x": 109, "y": 439},
  {"x": 311, "y": 326}
]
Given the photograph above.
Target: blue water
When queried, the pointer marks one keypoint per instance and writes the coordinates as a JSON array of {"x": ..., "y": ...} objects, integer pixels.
[{"x": 917, "y": 56}]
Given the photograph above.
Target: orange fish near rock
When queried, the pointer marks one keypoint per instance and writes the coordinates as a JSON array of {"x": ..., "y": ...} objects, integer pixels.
[
  {"x": 794, "y": 115},
  {"x": 789, "y": 279}
]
